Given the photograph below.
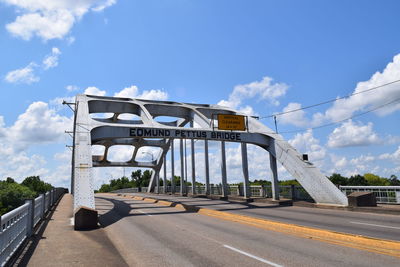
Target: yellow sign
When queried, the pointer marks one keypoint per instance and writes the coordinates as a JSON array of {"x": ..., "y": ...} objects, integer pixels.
[{"x": 231, "y": 122}]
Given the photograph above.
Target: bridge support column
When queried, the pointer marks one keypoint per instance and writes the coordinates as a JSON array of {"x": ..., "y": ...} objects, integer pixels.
[
  {"x": 182, "y": 168},
  {"x": 246, "y": 185},
  {"x": 193, "y": 167},
  {"x": 158, "y": 182},
  {"x": 165, "y": 174},
  {"x": 172, "y": 167},
  {"x": 207, "y": 168},
  {"x": 223, "y": 171},
  {"x": 274, "y": 182}
]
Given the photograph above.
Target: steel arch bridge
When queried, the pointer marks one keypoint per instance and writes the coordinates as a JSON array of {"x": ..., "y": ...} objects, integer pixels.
[{"x": 192, "y": 121}]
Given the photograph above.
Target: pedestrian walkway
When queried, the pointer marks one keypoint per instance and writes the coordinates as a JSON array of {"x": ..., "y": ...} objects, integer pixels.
[{"x": 60, "y": 245}]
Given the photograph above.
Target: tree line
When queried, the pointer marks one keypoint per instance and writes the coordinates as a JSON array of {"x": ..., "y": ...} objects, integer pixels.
[
  {"x": 140, "y": 179},
  {"x": 13, "y": 194}
]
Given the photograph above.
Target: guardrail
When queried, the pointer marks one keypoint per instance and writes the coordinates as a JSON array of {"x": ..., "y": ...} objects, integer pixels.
[
  {"x": 286, "y": 191},
  {"x": 383, "y": 194},
  {"x": 17, "y": 225}
]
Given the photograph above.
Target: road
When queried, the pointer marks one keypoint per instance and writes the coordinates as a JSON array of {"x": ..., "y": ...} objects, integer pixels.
[
  {"x": 146, "y": 234},
  {"x": 368, "y": 224}
]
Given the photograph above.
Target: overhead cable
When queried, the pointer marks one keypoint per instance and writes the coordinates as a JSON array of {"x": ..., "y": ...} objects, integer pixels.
[
  {"x": 329, "y": 101},
  {"x": 351, "y": 117}
]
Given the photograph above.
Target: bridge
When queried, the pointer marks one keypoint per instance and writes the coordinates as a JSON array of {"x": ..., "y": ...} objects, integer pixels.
[
  {"x": 192, "y": 226},
  {"x": 110, "y": 121}
]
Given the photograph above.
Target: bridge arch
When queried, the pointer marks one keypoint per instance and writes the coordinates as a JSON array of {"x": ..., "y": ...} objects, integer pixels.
[{"x": 190, "y": 121}]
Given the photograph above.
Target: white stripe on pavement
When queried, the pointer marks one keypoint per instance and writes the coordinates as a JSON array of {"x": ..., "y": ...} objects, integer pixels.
[
  {"x": 144, "y": 213},
  {"x": 377, "y": 225},
  {"x": 252, "y": 256}
]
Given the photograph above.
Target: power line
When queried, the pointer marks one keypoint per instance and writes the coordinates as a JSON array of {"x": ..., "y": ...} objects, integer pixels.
[
  {"x": 329, "y": 101},
  {"x": 351, "y": 117}
]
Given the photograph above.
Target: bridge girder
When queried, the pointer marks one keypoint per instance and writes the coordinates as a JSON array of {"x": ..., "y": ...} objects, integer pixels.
[{"x": 143, "y": 129}]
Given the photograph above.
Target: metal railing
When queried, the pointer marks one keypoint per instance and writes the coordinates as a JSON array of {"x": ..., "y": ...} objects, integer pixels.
[
  {"x": 18, "y": 224},
  {"x": 287, "y": 191},
  {"x": 383, "y": 194}
]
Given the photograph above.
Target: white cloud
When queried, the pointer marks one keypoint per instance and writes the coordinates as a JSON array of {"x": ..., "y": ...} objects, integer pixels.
[
  {"x": 353, "y": 134},
  {"x": 51, "y": 61},
  {"x": 27, "y": 74},
  {"x": 344, "y": 108},
  {"x": 306, "y": 143},
  {"x": 94, "y": 91},
  {"x": 23, "y": 75},
  {"x": 71, "y": 88},
  {"x": 296, "y": 118},
  {"x": 395, "y": 156},
  {"x": 49, "y": 19},
  {"x": 38, "y": 125},
  {"x": 262, "y": 90},
  {"x": 128, "y": 92},
  {"x": 133, "y": 92},
  {"x": 153, "y": 95}
]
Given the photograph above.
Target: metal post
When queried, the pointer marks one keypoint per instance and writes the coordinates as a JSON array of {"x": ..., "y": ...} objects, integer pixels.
[
  {"x": 246, "y": 185},
  {"x": 165, "y": 174},
  {"x": 223, "y": 171},
  {"x": 172, "y": 168},
  {"x": 274, "y": 182},
  {"x": 44, "y": 205},
  {"x": 185, "y": 168},
  {"x": 182, "y": 167},
  {"x": 30, "y": 218},
  {"x": 207, "y": 169},
  {"x": 193, "y": 168},
  {"x": 293, "y": 191},
  {"x": 158, "y": 181}
]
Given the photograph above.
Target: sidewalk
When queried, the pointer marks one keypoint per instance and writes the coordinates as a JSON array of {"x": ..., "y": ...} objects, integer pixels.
[{"x": 60, "y": 245}]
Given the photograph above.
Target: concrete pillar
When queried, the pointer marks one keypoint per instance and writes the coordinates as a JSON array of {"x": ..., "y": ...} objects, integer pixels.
[
  {"x": 165, "y": 174},
  {"x": 207, "y": 168},
  {"x": 246, "y": 185},
  {"x": 182, "y": 168},
  {"x": 223, "y": 171},
  {"x": 193, "y": 168},
  {"x": 172, "y": 168},
  {"x": 274, "y": 182}
]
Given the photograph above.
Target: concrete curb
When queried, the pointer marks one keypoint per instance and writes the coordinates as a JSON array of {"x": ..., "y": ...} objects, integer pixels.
[{"x": 381, "y": 246}]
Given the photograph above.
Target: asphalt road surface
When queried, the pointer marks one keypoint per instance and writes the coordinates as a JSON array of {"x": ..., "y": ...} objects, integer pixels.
[
  {"x": 146, "y": 234},
  {"x": 383, "y": 226}
]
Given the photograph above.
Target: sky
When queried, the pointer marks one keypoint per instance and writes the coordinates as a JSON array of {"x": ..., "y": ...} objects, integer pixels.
[{"x": 260, "y": 57}]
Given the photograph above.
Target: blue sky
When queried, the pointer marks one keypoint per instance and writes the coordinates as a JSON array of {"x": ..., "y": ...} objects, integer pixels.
[{"x": 261, "y": 57}]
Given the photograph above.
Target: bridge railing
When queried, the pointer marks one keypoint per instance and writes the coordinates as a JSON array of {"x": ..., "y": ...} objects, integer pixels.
[
  {"x": 17, "y": 225},
  {"x": 290, "y": 191},
  {"x": 383, "y": 194}
]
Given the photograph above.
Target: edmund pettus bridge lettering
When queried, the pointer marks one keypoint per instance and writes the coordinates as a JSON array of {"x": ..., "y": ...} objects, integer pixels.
[{"x": 165, "y": 133}]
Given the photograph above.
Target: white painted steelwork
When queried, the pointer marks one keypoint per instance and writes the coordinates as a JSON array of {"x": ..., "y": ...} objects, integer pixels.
[{"x": 149, "y": 129}]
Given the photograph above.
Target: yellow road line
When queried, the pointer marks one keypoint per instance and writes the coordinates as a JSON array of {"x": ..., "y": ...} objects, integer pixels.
[{"x": 381, "y": 246}]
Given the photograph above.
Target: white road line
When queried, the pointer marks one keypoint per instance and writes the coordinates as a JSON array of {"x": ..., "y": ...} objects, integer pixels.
[
  {"x": 144, "y": 213},
  {"x": 377, "y": 225},
  {"x": 252, "y": 256},
  {"x": 71, "y": 221}
]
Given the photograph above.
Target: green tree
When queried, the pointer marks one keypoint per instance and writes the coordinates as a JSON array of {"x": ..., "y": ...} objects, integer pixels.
[
  {"x": 376, "y": 180},
  {"x": 289, "y": 182},
  {"x": 105, "y": 188},
  {"x": 338, "y": 179},
  {"x": 36, "y": 185},
  {"x": 12, "y": 195},
  {"x": 394, "y": 181},
  {"x": 357, "y": 180}
]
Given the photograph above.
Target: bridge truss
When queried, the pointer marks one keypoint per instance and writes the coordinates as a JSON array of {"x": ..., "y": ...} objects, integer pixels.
[{"x": 137, "y": 123}]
